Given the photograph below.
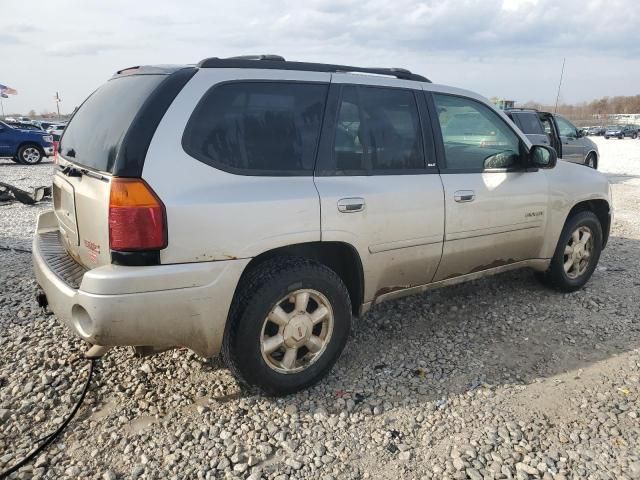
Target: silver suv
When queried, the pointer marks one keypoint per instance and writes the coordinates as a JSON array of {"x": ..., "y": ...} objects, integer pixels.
[{"x": 251, "y": 206}]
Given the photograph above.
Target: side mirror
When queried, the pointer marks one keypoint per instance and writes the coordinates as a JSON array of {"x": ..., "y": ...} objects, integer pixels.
[{"x": 541, "y": 156}]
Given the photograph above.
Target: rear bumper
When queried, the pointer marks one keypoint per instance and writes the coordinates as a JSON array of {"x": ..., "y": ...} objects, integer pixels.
[{"x": 160, "y": 306}]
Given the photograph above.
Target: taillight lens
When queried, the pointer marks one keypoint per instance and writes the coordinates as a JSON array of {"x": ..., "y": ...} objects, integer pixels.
[{"x": 137, "y": 219}]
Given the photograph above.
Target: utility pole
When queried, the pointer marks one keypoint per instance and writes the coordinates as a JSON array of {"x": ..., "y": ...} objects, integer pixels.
[
  {"x": 559, "y": 85},
  {"x": 2, "y": 104},
  {"x": 58, "y": 100}
]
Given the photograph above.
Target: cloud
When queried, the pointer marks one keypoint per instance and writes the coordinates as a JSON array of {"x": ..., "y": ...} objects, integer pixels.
[{"x": 74, "y": 49}]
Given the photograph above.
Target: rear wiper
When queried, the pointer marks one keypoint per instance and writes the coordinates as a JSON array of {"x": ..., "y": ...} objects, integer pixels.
[{"x": 71, "y": 171}]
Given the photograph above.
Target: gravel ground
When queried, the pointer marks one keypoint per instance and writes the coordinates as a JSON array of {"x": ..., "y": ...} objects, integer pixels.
[{"x": 499, "y": 378}]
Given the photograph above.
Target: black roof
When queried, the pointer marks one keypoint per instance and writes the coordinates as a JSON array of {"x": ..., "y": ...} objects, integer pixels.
[{"x": 276, "y": 62}]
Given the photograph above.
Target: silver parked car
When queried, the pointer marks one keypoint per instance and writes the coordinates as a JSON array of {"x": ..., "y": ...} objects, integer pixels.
[
  {"x": 544, "y": 128},
  {"x": 251, "y": 206}
]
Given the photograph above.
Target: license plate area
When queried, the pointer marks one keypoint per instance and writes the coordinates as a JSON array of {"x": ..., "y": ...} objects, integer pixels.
[{"x": 64, "y": 204}]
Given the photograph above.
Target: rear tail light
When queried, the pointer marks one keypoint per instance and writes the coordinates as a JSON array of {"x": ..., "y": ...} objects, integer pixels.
[{"x": 137, "y": 219}]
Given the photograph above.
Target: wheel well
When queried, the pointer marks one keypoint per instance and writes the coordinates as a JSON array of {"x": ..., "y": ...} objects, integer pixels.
[
  {"x": 601, "y": 210},
  {"x": 29, "y": 143},
  {"x": 340, "y": 257}
]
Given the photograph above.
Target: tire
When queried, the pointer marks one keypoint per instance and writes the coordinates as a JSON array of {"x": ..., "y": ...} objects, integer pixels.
[
  {"x": 15, "y": 159},
  {"x": 621, "y": 137},
  {"x": 634, "y": 136},
  {"x": 556, "y": 276},
  {"x": 274, "y": 284},
  {"x": 30, "y": 154},
  {"x": 606, "y": 138},
  {"x": 591, "y": 161}
]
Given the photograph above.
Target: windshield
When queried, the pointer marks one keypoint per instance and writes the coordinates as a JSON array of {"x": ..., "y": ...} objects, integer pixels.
[
  {"x": 613, "y": 127},
  {"x": 95, "y": 133}
]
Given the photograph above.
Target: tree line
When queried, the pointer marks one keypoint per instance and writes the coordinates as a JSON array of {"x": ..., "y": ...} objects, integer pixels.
[{"x": 594, "y": 109}]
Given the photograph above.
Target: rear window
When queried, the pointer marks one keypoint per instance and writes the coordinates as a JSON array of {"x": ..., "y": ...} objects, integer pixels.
[
  {"x": 95, "y": 133},
  {"x": 258, "y": 128},
  {"x": 530, "y": 124}
]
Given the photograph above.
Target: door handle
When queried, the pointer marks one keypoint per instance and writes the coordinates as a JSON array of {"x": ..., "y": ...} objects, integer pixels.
[
  {"x": 462, "y": 196},
  {"x": 351, "y": 205}
]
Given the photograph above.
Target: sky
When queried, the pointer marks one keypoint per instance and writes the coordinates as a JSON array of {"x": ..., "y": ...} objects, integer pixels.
[{"x": 506, "y": 48}]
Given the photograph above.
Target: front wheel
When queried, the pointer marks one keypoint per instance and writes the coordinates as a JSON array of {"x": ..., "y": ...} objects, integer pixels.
[
  {"x": 577, "y": 253},
  {"x": 288, "y": 325},
  {"x": 30, "y": 155},
  {"x": 590, "y": 161}
]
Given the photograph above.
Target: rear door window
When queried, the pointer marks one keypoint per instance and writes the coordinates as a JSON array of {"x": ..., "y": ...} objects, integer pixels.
[
  {"x": 377, "y": 132},
  {"x": 258, "y": 128},
  {"x": 94, "y": 135},
  {"x": 529, "y": 123}
]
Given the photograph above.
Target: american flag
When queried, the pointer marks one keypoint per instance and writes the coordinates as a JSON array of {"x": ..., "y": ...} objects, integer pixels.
[{"x": 6, "y": 91}]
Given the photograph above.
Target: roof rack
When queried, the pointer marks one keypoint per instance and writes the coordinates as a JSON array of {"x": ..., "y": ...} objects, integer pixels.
[{"x": 276, "y": 62}]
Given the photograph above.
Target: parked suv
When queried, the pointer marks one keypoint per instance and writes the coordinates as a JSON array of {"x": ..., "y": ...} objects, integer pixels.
[
  {"x": 27, "y": 146},
  {"x": 544, "y": 128},
  {"x": 621, "y": 131},
  {"x": 252, "y": 206}
]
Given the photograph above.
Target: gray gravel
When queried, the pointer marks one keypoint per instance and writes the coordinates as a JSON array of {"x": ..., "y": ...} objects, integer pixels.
[{"x": 499, "y": 378}]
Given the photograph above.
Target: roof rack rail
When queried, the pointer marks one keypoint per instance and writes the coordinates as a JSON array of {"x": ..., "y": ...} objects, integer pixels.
[
  {"x": 276, "y": 62},
  {"x": 267, "y": 56}
]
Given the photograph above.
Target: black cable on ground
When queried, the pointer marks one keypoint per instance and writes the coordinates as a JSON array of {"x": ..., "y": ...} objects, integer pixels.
[{"x": 48, "y": 439}]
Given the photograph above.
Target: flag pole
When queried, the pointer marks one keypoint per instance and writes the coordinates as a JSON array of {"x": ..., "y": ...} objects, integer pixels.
[{"x": 559, "y": 85}]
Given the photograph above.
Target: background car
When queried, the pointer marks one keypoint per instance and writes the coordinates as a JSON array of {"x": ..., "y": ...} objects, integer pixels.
[
  {"x": 621, "y": 131},
  {"x": 544, "y": 128},
  {"x": 24, "y": 146}
]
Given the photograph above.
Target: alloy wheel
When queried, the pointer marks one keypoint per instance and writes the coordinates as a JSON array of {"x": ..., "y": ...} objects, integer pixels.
[
  {"x": 31, "y": 155},
  {"x": 297, "y": 331},
  {"x": 578, "y": 252}
]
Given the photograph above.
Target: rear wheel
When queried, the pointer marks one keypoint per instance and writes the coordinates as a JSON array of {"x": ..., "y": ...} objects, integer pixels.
[
  {"x": 577, "y": 253},
  {"x": 287, "y": 326},
  {"x": 30, "y": 154}
]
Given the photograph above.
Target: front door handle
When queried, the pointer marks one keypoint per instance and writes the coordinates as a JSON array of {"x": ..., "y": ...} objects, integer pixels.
[
  {"x": 351, "y": 205},
  {"x": 462, "y": 196}
]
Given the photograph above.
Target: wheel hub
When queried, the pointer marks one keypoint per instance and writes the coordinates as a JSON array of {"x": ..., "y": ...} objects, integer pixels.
[{"x": 298, "y": 330}]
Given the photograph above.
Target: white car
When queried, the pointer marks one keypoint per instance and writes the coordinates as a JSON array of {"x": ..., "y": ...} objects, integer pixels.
[{"x": 252, "y": 206}]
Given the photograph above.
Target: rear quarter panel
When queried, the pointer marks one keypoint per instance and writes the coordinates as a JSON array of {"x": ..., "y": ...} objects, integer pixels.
[{"x": 215, "y": 215}]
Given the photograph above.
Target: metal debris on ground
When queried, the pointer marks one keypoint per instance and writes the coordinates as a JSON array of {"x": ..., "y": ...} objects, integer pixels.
[{"x": 9, "y": 193}]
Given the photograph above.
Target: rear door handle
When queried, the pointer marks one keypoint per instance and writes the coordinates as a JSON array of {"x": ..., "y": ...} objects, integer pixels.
[
  {"x": 462, "y": 196},
  {"x": 351, "y": 205}
]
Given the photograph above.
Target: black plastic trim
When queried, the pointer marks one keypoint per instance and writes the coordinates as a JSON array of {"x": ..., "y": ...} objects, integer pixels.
[
  {"x": 135, "y": 144},
  {"x": 269, "y": 64},
  {"x": 144, "y": 258}
]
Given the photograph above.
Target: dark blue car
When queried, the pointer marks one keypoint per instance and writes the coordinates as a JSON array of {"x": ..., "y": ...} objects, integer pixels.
[{"x": 24, "y": 146}]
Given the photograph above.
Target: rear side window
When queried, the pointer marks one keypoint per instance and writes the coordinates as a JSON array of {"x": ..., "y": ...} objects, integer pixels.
[
  {"x": 258, "y": 128},
  {"x": 96, "y": 131},
  {"x": 529, "y": 123},
  {"x": 377, "y": 131}
]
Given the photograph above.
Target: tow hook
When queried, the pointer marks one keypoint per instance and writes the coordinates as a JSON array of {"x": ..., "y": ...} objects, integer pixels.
[{"x": 96, "y": 351}]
